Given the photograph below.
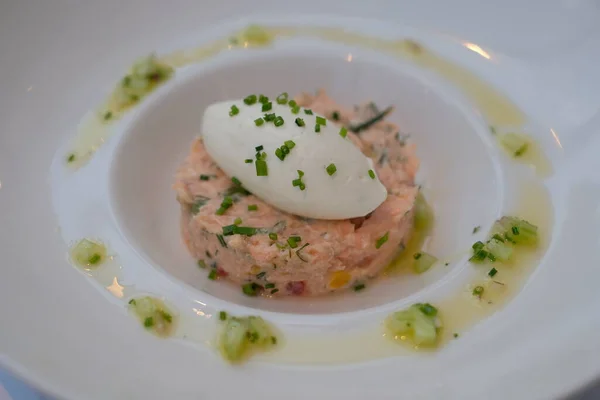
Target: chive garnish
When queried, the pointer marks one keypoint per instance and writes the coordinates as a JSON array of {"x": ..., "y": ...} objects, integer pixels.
[
  {"x": 236, "y": 181},
  {"x": 289, "y": 144},
  {"x": 299, "y": 250},
  {"x": 228, "y": 230},
  {"x": 343, "y": 132},
  {"x": 234, "y": 111},
  {"x": 261, "y": 168},
  {"x": 262, "y": 99},
  {"x": 493, "y": 272},
  {"x": 201, "y": 264},
  {"x": 299, "y": 121},
  {"x": 108, "y": 115},
  {"x": 292, "y": 103},
  {"x": 250, "y": 289},
  {"x": 248, "y": 161},
  {"x": 476, "y": 229},
  {"x": 372, "y": 174},
  {"x": 259, "y": 121},
  {"x": 260, "y": 275},
  {"x": 308, "y": 111},
  {"x": 282, "y": 98},
  {"x": 300, "y": 173},
  {"x": 149, "y": 322},
  {"x": 223, "y": 314},
  {"x": 274, "y": 291},
  {"x": 259, "y": 148},
  {"x": 269, "y": 286},
  {"x": 245, "y": 230},
  {"x": 204, "y": 177},
  {"x": 212, "y": 275},
  {"x": 237, "y": 221},
  {"x": 295, "y": 109},
  {"x": 222, "y": 241},
  {"x": 335, "y": 116},
  {"x": 416, "y": 256},
  {"x": 252, "y": 207},
  {"x": 478, "y": 291},
  {"x": 279, "y": 154},
  {"x": 273, "y": 236},
  {"x": 285, "y": 150},
  {"x": 292, "y": 242},
  {"x": 296, "y": 182},
  {"x": 359, "y": 287},
  {"x": 382, "y": 240},
  {"x": 278, "y": 121},
  {"x": 71, "y": 157},
  {"x": 267, "y": 106},
  {"x": 321, "y": 121},
  {"x": 331, "y": 168},
  {"x": 249, "y": 100},
  {"x": 94, "y": 259},
  {"x": 269, "y": 117},
  {"x": 317, "y": 128}
]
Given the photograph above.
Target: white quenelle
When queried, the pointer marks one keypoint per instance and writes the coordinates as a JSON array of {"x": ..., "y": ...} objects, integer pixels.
[{"x": 352, "y": 191}]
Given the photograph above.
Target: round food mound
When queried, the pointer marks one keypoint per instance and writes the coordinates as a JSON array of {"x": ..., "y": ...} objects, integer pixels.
[{"x": 291, "y": 255}]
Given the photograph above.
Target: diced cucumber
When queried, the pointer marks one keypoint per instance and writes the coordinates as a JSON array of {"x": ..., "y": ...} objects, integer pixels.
[
  {"x": 516, "y": 144},
  {"x": 423, "y": 261},
  {"x": 153, "y": 314},
  {"x": 233, "y": 341},
  {"x": 419, "y": 322},
  {"x": 502, "y": 251},
  {"x": 88, "y": 253},
  {"x": 239, "y": 335},
  {"x": 519, "y": 231}
]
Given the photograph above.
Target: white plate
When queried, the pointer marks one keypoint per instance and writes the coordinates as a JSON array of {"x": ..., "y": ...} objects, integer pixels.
[{"x": 61, "y": 59}]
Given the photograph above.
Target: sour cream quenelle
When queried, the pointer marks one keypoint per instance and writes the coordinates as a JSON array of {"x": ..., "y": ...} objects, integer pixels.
[{"x": 292, "y": 158}]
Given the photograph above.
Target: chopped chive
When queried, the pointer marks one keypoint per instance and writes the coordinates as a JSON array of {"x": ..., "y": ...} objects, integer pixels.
[
  {"x": 237, "y": 221},
  {"x": 515, "y": 230},
  {"x": 261, "y": 168},
  {"x": 269, "y": 286},
  {"x": 274, "y": 291},
  {"x": 260, "y": 275},
  {"x": 416, "y": 256},
  {"x": 249, "y": 100},
  {"x": 295, "y": 110},
  {"x": 234, "y": 111},
  {"x": 252, "y": 207},
  {"x": 279, "y": 154},
  {"x": 300, "y": 173},
  {"x": 321, "y": 121},
  {"x": 493, "y": 272},
  {"x": 250, "y": 289},
  {"x": 478, "y": 291},
  {"x": 269, "y": 117},
  {"x": 273, "y": 236},
  {"x": 228, "y": 230},
  {"x": 372, "y": 174},
  {"x": 212, "y": 274},
  {"x": 331, "y": 168},
  {"x": 259, "y": 121},
  {"x": 359, "y": 287},
  {"x": 259, "y": 148},
  {"x": 94, "y": 259},
  {"x": 428, "y": 309},
  {"x": 317, "y": 128},
  {"x": 267, "y": 106},
  {"x": 222, "y": 315},
  {"x": 132, "y": 302},
  {"x": 282, "y": 98},
  {"x": 308, "y": 111},
  {"x": 289, "y": 144},
  {"x": 382, "y": 240},
  {"x": 71, "y": 157},
  {"x": 299, "y": 250},
  {"x": 201, "y": 264},
  {"x": 476, "y": 229},
  {"x": 208, "y": 254},
  {"x": 108, "y": 115},
  {"x": 297, "y": 182},
  {"x": 292, "y": 243},
  {"x": 245, "y": 230},
  {"x": 343, "y": 132},
  {"x": 335, "y": 116},
  {"x": 248, "y": 161},
  {"x": 149, "y": 322},
  {"x": 236, "y": 181},
  {"x": 278, "y": 121},
  {"x": 455, "y": 335},
  {"x": 299, "y": 121},
  {"x": 204, "y": 177},
  {"x": 302, "y": 186},
  {"x": 292, "y": 103},
  {"x": 222, "y": 241},
  {"x": 263, "y": 99}
]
